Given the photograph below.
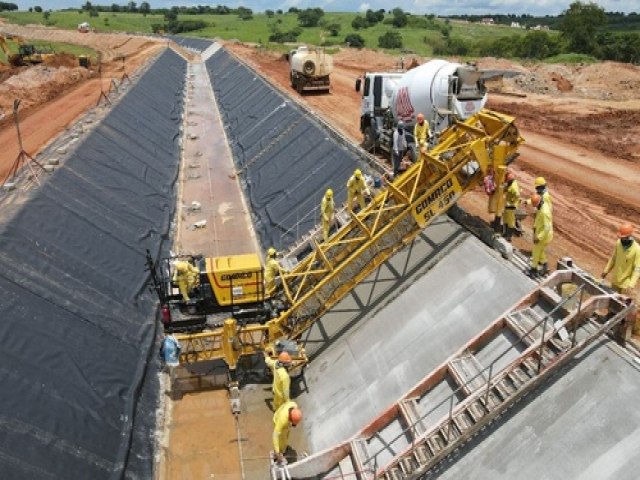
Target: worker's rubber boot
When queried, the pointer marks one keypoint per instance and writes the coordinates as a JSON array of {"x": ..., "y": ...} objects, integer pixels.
[
  {"x": 496, "y": 224},
  {"x": 518, "y": 230},
  {"x": 545, "y": 269},
  {"x": 533, "y": 273},
  {"x": 508, "y": 234}
]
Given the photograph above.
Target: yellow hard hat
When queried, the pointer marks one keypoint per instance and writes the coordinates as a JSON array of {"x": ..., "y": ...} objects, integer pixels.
[
  {"x": 357, "y": 173},
  {"x": 329, "y": 193},
  {"x": 271, "y": 252},
  {"x": 539, "y": 182}
]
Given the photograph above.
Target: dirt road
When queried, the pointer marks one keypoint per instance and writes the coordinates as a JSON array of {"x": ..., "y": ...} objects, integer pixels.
[
  {"x": 583, "y": 145},
  {"x": 54, "y": 97}
]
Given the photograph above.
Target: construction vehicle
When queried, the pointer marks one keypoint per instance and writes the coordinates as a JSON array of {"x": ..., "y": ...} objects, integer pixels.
[
  {"x": 310, "y": 69},
  {"x": 84, "y": 61},
  {"x": 393, "y": 218},
  {"x": 5, "y": 48},
  {"x": 27, "y": 54},
  {"x": 442, "y": 91},
  {"x": 230, "y": 285},
  {"x": 84, "y": 27}
]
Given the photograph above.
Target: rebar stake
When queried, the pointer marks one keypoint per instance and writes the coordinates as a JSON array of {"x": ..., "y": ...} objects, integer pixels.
[
  {"x": 102, "y": 92},
  {"x": 23, "y": 158}
]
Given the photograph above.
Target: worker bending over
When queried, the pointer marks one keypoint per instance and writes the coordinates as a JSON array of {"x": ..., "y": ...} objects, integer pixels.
[
  {"x": 511, "y": 202},
  {"x": 422, "y": 134},
  {"x": 625, "y": 263},
  {"x": 327, "y": 211},
  {"x": 271, "y": 271},
  {"x": 187, "y": 276},
  {"x": 542, "y": 236},
  {"x": 281, "y": 381},
  {"x": 288, "y": 414},
  {"x": 357, "y": 189}
]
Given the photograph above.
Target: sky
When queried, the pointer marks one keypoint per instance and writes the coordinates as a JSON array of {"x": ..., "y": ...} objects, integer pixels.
[{"x": 438, "y": 7}]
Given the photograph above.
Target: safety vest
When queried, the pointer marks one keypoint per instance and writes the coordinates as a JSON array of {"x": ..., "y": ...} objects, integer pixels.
[
  {"x": 356, "y": 186},
  {"x": 625, "y": 263},
  {"x": 543, "y": 224},
  {"x": 421, "y": 132},
  {"x": 327, "y": 207},
  {"x": 512, "y": 195}
]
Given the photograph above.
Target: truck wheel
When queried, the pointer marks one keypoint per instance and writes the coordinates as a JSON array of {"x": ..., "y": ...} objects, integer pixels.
[
  {"x": 369, "y": 140},
  {"x": 300, "y": 86},
  {"x": 293, "y": 83}
]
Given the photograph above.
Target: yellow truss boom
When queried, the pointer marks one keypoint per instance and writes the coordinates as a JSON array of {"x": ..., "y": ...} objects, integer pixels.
[{"x": 392, "y": 220}]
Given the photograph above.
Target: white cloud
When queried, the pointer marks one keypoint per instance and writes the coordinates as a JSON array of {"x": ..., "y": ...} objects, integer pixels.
[{"x": 364, "y": 7}]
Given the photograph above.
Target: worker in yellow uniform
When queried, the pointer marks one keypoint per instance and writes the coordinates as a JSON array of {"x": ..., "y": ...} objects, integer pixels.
[
  {"x": 511, "y": 202},
  {"x": 625, "y": 263},
  {"x": 542, "y": 235},
  {"x": 187, "y": 276},
  {"x": 288, "y": 414},
  {"x": 421, "y": 134},
  {"x": 281, "y": 381},
  {"x": 271, "y": 271},
  {"x": 356, "y": 189},
  {"x": 540, "y": 185},
  {"x": 327, "y": 210}
]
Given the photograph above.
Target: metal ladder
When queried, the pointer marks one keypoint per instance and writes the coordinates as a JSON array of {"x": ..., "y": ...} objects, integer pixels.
[{"x": 546, "y": 340}]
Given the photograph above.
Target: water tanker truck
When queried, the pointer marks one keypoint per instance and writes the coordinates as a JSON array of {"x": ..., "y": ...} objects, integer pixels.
[
  {"x": 310, "y": 69},
  {"x": 442, "y": 91}
]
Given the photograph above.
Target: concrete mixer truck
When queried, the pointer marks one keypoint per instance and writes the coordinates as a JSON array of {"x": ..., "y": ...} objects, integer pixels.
[
  {"x": 310, "y": 69},
  {"x": 442, "y": 91}
]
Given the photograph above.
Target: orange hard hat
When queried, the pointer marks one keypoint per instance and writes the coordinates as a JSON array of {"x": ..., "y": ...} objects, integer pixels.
[
  {"x": 295, "y": 416},
  {"x": 510, "y": 176},
  {"x": 284, "y": 357},
  {"x": 625, "y": 230},
  {"x": 535, "y": 199},
  {"x": 420, "y": 118}
]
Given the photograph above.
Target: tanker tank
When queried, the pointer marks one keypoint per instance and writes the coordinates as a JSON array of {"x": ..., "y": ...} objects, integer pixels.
[{"x": 440, "y": 90}]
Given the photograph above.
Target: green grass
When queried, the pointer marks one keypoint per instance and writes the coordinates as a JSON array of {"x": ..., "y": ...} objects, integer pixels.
[
  {"x": 105, "y": 22},
  {"x": 259, "y": 28},
  {"x": 571, "y": 58}
]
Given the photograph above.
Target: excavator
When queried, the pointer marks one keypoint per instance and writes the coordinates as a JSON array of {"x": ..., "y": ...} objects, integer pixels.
[
  {"x": 393, "y": 218},
  {"x": 28, "y": 54}
]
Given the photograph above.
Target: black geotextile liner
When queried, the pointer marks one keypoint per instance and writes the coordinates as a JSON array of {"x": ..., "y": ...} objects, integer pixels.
[
  {"x": 78, "y": 363},
  {"x": 285, "y": 159},
  {"x": 194, "y": 43}
]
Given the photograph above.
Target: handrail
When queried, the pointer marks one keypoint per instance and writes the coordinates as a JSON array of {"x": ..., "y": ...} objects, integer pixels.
[{"x": 451, "y": 397}]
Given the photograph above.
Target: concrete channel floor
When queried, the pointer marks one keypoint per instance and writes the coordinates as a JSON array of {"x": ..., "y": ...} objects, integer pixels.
[
  {"x": 208, "y": 179},
  {"x": 203, "y": 438}
]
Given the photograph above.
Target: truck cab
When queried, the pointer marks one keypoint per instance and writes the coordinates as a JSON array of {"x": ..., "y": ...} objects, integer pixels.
[{"x": 376, "y": 120}]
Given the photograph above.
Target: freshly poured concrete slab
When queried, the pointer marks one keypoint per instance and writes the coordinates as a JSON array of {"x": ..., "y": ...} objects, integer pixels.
[
  {"x": 380, "y": 358},
  {"x": 583, "y": 424}
]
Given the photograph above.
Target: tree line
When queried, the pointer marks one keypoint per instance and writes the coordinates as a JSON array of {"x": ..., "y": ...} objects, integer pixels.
[{"x": 583, "y": 29}]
